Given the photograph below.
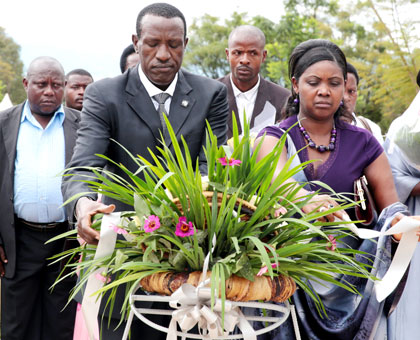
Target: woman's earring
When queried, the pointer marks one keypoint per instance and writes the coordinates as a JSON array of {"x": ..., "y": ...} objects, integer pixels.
[
  {"x": 341, "y": 103},
  {"x": 296, "y": 100}
]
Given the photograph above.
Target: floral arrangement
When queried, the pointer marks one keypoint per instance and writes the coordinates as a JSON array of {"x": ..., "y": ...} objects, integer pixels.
[{"x": 255, "y": 218}]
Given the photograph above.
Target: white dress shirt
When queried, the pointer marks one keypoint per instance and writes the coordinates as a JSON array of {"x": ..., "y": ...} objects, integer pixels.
[
  {"x": 152, "y": 90},
  {"x": 245, "y": 101}
]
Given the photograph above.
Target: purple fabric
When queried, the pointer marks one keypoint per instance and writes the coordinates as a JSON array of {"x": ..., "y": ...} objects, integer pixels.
[
  {"x": 350, "y": 317},
  {"x": 355, "y": 149}
]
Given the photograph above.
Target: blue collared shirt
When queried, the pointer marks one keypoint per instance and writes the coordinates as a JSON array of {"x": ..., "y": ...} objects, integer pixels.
[{"x": 40, "y": 158}]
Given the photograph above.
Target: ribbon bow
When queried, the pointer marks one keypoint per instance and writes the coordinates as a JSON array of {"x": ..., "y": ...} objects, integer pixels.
[{"x": 193, "y": 308}]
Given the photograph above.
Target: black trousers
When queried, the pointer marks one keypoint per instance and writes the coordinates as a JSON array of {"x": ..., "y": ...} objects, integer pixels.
[
  {"x": 138, "y": 330},
  {"x": 30, "y": 310}
]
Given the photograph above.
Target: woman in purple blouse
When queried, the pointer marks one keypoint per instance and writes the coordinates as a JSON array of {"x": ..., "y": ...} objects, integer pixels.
[{"x": 342, "y": 153}]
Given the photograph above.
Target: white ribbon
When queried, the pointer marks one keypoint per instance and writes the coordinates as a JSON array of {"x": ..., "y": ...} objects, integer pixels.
[
  {"x": 193, "y": 308},
  {"x": 106, "y": 246},
  {"x": 408, "y": 227}
]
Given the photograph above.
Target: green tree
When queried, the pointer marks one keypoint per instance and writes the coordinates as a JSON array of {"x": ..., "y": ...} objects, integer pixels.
[
  {"x": 383, "y": 52},
  {"x": 11, "y": 68},
  {"x": 291, "y": 30},
  {"x": 316, "y": 9},
  {"x": 207, "y": 43},
  {"x": 303, "y": 20},
  {"x": 2, "y": 87},
  {"x": 398, "y": 65}
]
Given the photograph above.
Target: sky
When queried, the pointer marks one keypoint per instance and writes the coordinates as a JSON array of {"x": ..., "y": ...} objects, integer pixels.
[{"x": 92, "y": 34}]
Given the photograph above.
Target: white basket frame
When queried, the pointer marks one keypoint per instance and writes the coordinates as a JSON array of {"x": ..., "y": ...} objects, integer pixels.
[{"x": 139, "y": 313}]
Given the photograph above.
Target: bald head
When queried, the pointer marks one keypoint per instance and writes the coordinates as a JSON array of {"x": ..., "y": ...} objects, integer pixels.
[
  {"x": 44, "y": 86},
  {"x": 41, "y": 64},
  {"x": 245, "y": 54},
  {"x": 247, "y": 32}
]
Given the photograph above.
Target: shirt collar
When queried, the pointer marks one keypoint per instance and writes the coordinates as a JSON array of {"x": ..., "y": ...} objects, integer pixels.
[
  {"x": 248, "y": 94},
  {"x": 27, "y": 115},
  {"x": 151, "y": 89}
]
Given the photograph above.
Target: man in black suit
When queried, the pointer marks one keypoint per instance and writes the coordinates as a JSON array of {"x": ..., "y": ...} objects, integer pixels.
[
  {"x": 128, "y": 109},
  {"x": 36, "y": 141},
  {"x": 129, "y": 58},
  {"x": 262, "y": 100}
]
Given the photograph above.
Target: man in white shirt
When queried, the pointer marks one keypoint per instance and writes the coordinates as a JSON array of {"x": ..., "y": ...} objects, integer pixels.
[
  {"x": 261, "y": 100},
  {"x": 350, "y": 98}
]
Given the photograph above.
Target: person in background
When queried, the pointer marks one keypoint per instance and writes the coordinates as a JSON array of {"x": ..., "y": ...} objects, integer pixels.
[
  {"x": 403, "y": 322},
  {"x": 76, "y": 83},
  {"x": 418, "y": 78},
  {"x": 350, "y": 98},
  {"x": 130, "y": 109},
  {"x": 340, "y": 154},
  {"x": 262, "y": 100},
  {"x": 36, "y": 142},
  {"x": 129, "y": 58}
]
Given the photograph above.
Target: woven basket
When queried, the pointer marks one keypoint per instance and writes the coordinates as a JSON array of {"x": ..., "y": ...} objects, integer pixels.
[{"x": 278, "y": 289}]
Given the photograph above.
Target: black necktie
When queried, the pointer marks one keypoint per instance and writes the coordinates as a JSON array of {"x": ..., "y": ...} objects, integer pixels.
[{"x": 161, "y": 99}]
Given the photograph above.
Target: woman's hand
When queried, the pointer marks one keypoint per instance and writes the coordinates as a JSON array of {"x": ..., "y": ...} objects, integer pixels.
[
  {"x": 322, "y": 203},
  {"x": 396, "y": 219},
  {"x": 418, "y": 230}
]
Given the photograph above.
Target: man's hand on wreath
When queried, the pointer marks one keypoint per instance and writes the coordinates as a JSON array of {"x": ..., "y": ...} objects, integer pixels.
[{"x": 85, "y": 209}]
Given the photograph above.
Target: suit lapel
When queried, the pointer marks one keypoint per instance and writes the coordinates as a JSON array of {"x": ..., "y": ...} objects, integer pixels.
[
  {"x": 262, "y": 97},
  {"x": 10, "y": 134},
  {"x": 70, "y": 125},
  {"x": 181, "y": 105},
  {"x": 138, "y": 99},
  {"x": 232, "y": 105}
]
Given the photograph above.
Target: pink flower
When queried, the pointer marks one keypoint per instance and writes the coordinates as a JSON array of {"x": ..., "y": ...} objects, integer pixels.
[
  {"x": 118, "y": 230},
  {"x": 230, "y": 161},
  {"x": 103, "y": 277},
  {"x": 184, "y": 229},
  {"x": 151, "y": 224},
  {"x": 280, "y": 211},
  {"x": 264, "y": 269},
  {"x": 333, "y": 243}
]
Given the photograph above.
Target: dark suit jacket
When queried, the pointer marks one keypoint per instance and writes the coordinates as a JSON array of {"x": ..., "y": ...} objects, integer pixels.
[
  {"x": 9, "y": 128},
  {"x": 120, "y": 108},
  {"x": 267, "y": 92}
]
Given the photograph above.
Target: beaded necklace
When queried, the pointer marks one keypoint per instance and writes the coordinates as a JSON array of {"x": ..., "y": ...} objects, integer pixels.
[{"x": 320, "y": 148}]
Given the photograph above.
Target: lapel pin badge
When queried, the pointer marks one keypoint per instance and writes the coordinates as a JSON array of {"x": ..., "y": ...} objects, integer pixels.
[{"x": 184, "y": 103}]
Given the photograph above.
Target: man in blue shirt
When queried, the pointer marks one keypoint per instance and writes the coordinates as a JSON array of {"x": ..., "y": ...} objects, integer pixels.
[{"x": 36, "y": 142}]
